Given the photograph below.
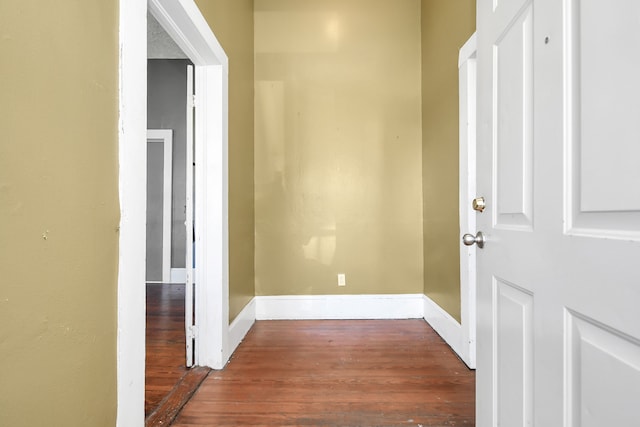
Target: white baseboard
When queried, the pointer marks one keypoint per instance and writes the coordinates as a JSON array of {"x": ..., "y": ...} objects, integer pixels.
[
  {"x": 446, "y": 326},
  {"x": 179, "y": 275},
  {"x": 241, "y": 325},
  {"x": 288, "y": 307}
]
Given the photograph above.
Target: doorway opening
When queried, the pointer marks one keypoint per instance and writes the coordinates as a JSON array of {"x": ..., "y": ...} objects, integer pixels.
[
  {"x": 169, "y": 240},
  {"x": 184, "y": 23}
]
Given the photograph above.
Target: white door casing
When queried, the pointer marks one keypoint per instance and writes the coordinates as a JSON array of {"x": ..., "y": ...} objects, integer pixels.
[
  {"x": 182, "y": 20},
  {"x": 187, "y": 27},
  {"x": 165, "y": 137},
  {"x": 558, "y": 142},
  {"x": 467, "y": 93}
]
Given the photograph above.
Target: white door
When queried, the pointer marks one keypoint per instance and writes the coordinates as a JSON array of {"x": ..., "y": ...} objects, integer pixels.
[
  {"x": 558, "y": 154},
  {"x": 190, "y": 328}
]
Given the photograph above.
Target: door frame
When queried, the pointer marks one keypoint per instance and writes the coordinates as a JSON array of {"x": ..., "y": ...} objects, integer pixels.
[
  {"x": 467, "y": 120},
  {"x": 165, "y": 137},
  {"x": 182, "y": 20}
]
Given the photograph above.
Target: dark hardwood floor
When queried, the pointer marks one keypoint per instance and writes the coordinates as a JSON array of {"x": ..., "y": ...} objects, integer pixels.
[
  {"x": 337, "y": 373},
  {"x": 165, "y": 359},
  {"x": 169, "y": 384}
]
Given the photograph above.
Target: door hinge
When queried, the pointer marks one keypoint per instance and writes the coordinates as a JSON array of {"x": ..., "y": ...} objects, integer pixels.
[
  {"x": 192, "y": 100},
  {"x": 192, "y": 332}
]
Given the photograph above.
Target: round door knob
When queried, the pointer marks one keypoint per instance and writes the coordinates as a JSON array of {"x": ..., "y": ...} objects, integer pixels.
[{"x": 470, "y": 239}]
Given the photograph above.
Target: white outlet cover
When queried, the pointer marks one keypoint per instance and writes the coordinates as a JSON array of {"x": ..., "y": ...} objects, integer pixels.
[{"x": 342, "y": 280}]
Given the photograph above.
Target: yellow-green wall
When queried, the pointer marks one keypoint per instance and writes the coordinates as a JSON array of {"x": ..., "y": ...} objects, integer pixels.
[
  {"x": 446, "y": 26},
  {"x": 59, "y": 210},
  {"x": 232, "y": 23},
  {"x": 338, "y": 171}
]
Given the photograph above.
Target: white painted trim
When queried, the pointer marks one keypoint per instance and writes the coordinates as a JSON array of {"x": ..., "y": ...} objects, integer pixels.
[
  {"x": 165, "y": 136},
  {"x": 211, "y": 217},
  {"x": 446, "y": 326},
  {"x": 397, "y": 306},
  {"x": 467, "y": 192},
  {"x": 188, "y": 222},
  {"x": 178, "y": 275},
  {"x": 184, "y": 22},
  {"x": 241, "y": 325},
  {"x": 468, "y": 50},
  {"x": 132, "y": 127},
  {"x": 164, "y": 283}
]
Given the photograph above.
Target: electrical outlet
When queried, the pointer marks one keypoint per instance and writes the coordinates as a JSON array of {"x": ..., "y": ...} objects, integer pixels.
[{"x": 342, "y": 279}]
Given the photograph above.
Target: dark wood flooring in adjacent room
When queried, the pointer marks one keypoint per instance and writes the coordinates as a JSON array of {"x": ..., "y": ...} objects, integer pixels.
[
  {"x": 169, "y": 384},
  {"x": 165, "y": 360},
  {"x": 337, "y": 373}
]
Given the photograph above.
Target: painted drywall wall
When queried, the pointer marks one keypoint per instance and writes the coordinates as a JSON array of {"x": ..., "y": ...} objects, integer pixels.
[
  {"x": 446, "y": 26},
  {"x": 232, "y": 23},
  {"x": 59, "y": 210},
  {"x": 167, "y": 109},
  {"x": 338, "y": 147}
]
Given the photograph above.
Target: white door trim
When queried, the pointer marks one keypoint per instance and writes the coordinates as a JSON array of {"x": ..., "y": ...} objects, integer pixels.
[
  {"x": 132, "y": 157},
  {"x": 185, "y": 24},
  {"x": 165, "y": 136},
  {"x": 467, "y": 84}
]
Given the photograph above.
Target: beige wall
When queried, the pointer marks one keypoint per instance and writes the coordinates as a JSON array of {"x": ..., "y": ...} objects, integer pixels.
[
  {"x": 338, "y": 146},
  {"x": 232, "y": 23},
  {"x": 59, "y": 210},
  {"x": 446, "y": 26}
]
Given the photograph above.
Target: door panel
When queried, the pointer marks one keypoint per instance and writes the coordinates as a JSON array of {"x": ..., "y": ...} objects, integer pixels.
[
  {"x": 603, "y": 49},
  {"x": 512, "y": 104},
  {"x": 609, "y": 40},
  {"x": 603, "y": 375},
  {"x": 514, "y": 353},
  {"x": 503, "y": 11},
  {"x": 558, "y": 283}
]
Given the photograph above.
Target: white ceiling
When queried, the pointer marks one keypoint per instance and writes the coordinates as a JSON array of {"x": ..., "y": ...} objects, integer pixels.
[{"x": 159, "y": 44}]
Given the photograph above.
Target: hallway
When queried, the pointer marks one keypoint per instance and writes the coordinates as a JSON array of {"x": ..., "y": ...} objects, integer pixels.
[{"x": 337, "y": 373}]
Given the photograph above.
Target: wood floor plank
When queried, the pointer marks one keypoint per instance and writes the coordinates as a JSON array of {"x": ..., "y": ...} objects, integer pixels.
[
  {"x": 165, "y": 342},
  {"x": 337, "y": 373},
  {"x": 180, "y": 394}
]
